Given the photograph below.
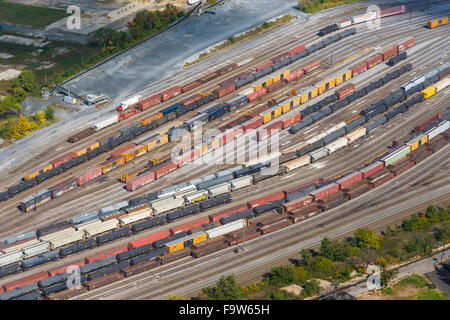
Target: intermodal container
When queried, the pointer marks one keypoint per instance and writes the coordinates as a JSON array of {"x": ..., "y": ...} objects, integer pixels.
[
  {"x": 372, "y": 169},
  {"x": 325, "y": 191},
  {"x": 104, "y": 254},
  {"x": 266, "y": 199}
]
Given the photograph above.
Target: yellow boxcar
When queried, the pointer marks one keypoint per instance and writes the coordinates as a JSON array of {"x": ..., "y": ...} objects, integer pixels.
[
  {"x": 128, "y": 155},
  {"x": 437, "y": 23},
  {"x": 186, "y": 241},
  {"x": 290, "y": 103},
  {"x": 342, "y": 76},
  {"x": 41, "y": 169},
  {"x": 153, "y": 117},
  {"x": 271, "y": 113},
  {"x": 308, "y": 94},
  {"x": 417, "y": 141},
  {"x": 428, "y": 92},
  {"x": 279, "y": 75},
  {"x": 87, "y": 147},
  {"x": 207, "y": 92},
  {"x": 325, "y": 85},
  {"x": 140, "y": 150}
]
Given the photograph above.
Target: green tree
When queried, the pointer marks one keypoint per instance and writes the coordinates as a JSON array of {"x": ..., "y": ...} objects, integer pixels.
[
  {"x": 335, "y": 250},
  {"x": 366, "y": 238},
  {"x": 226, "y": 289},
  {"x": 231, "y": 39},
  {"x": 311, "y": 287},
  {"x": 277, "y": 295},
  {"x": 387, "y": 276},
  {"x": 322, "y": 264},
  {"x": 26, "y": 81},
  {"x": 307, "y": 257},
  {"x": 175, "y": 297},
  {"x": 50, "y": 112},
  {"x": 442, "y": 234},
  {"x": 281, "y": 275}
]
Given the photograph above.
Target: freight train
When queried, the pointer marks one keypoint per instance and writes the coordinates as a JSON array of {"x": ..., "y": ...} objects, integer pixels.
[
  {"x": 300, "y": 202},
  {"x": 73, "y": 158},
  {"x": 437, "y": 22},
  {"x": 370, "y": 16}
]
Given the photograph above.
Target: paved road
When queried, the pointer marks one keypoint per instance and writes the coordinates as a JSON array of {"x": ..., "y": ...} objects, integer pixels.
[{"x": 423, "y": 266}]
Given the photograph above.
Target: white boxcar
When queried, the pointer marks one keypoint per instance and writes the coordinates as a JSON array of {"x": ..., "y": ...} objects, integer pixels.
[
  {"x": 20, "y": 246},
  {"x": 364, "y": 17},
  {"x": 130, "y": 218},
  {"x": 241, "y": 182},
  {"x": 296, "y": 163},
  {"x": 57, "y": 234},
  {"x": 67, "y": 239},
  {"x": 226, "y": 228},
  {"x": 358, "y": 133},
  {"x": 105, "y": 121},
  {"x": 219, "y": 189},
  {"x": 318, "y": 154},
  {"x": 11, "y": 257},
  {"x": 82, "y": 225},
  {"x": 97, "y": 228},
  {"x": 163, "y": 205},
  {"x": 442, "y": 84},
  {"x": 336, "y": 145},
  {"x": 36, "y": 249},
  {"x": 129, "y": 102},
  {"x": 344, "y": 23},
  {"x": 444, "y": 126}
]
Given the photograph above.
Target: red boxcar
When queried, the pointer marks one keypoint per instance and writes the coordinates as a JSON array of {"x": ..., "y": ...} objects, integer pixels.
[
  {"x": 350, "y": 179},
  {"x": 140, "y": 181},
  {"x": 148, "y": 239},
  {"x": 345, "y": 90},
  {"x": 227, "y": 212},
  {"x": 191, "y": 99},
  {"x": 149, "y": 102},
  {"x": 63, "y": 159},
  {"x": 406, "y": 44},
  {"x": 164, "y": 169},
  {"x": 225, "y": 89},
  {"x": 263, "y": 65},
  {"x": 372, "y": 169},
  {"x": 107, "y": 253},
  {"x": 325, "y": 191},
  {"x": 266, "y": 199},
  {"x": 277, "y": 125},
  {"x": 297, "y": 203},
  {"x": 294, "y": 75},
  {"x": 390, "y": 52},
  {"x": 305, "y": 185},
  {"x": 292, "y": 120},
  {"x": 89, "y": 175},
  {"x": 126, "y": 148},
  {"x": 189, "y": 225},
  {"x": 231, "y": 134},
  {"x": 312, "y": 66},
  {"x": 296, "y": 49},
  {"x": 374, "y": 60},
  {"x": 64, "y": 267},
  {"x": 170, "y": 93},
  {"x": 26, "y": 280},
  {"x": 129, "y": 113},
  {"x": 359, "y": 68},
  {"x": 257, "y": 94},
  {"x": 253, "y": 123}
]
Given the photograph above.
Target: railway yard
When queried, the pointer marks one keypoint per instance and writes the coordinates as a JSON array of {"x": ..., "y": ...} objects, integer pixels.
[{"x": 360, "y": 162}]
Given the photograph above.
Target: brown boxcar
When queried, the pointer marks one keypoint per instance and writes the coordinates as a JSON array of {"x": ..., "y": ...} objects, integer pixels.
[
  {"x": 170, "y": 93},
  {"x": 401, "y": 168},
  {"x": 309, "y": 208},
  {"x": 352, "y": 193},
  {"x": 208, "y": 247},
  {"x": 139, "y": 268},
  {"x": 349, "y": 179},
  {"x": 332, "y": 204},
  {"x": 209, "y": 77},
  {"x": 374, "y": 60},
  {"x": 325, "y": 191},
  {"x": 266, "y": 199},
  {"x": 249, "y": 234},
  {"x": 297, "y": 203},
  {"x": 149, "y": 102},
  {"x": 274, "y": 226},
  {"x": 174, "y": 255},
  {"x": 102, "y": 281},
  {"x": 81, "y": 135},
  {"x": 359, "y": 68},
  {"x": 227, "y": 212},
  {"x": 331, "y": 197},
  {"x": 345, "y": 90},
  {"x": 191, "y": 85},
  {"x": 66, "y": 294},
  {"x": 224, "y": 90},
  {"x": 382, "y": 179},
  {"x": 189, "y": 225},
  {"x": 25, "y": 280}
]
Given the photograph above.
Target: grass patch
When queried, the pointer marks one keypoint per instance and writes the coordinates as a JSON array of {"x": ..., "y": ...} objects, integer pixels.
[
  {"x": 32, "y": 16},
  {"x": 414, "y": 279},
  {"x": 431, "y": 294},
  {"x": 234, "y": 40},
  {"x": 312, "y": 6}
]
